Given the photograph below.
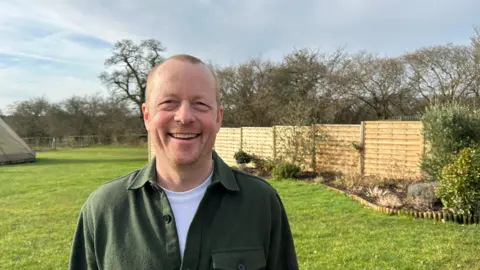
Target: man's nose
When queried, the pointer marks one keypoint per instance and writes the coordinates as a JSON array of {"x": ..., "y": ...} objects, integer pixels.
[{"x": 184, "y": 114}]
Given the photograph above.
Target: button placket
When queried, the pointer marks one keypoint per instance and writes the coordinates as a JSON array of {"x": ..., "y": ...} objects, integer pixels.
[{"x": 171, "y": 240}]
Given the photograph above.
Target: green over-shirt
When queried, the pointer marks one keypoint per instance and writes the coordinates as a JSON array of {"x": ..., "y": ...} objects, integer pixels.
[{"x": 128, "y": 223}]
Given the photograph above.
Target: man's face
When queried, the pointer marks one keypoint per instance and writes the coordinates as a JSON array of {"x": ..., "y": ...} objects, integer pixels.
[{"x": 182, "y": 115}]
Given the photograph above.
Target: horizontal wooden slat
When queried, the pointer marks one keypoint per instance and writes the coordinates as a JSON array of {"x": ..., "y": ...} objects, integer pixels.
[
  {"x": 393, "y": 156},
  {"x": 395, "y": 138},
  {"x": 400, "y": 166},
  {"x": 403, "y": 152},
  {"x": 384, "y": 142}
]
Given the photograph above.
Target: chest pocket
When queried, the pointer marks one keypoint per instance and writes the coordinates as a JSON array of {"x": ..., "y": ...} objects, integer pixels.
[{"x": 239, "y": 259}]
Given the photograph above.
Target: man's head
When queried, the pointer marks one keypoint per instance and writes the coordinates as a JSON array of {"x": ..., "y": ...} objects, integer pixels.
[{"x": 182, "y": 112}]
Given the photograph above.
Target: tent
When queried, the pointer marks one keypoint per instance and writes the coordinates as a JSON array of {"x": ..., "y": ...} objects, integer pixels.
[{"x": 12, "y": 148}]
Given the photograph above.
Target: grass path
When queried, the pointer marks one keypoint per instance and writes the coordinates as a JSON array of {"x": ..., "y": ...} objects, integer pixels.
[{"x": 39, "y": 204}]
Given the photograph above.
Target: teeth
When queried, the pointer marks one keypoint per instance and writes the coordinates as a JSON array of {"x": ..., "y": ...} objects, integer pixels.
[{"x": 183, "y": 136}]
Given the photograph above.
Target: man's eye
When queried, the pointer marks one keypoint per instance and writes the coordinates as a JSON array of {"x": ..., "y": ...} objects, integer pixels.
[
  {"x": 201, "y": 105},
  {"x": 167, "y": 104}
]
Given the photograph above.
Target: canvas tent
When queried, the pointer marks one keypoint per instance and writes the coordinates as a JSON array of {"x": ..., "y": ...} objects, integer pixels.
[{"x": 12, "y": 148}]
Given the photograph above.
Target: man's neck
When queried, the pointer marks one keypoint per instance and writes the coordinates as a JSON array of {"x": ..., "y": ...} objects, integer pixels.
[{"x": 183, "y": 178}]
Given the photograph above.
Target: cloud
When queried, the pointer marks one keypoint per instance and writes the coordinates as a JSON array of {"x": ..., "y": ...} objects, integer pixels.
[
  {"x": 24, "y": 85},
  {"x": 60, "y": 45}
]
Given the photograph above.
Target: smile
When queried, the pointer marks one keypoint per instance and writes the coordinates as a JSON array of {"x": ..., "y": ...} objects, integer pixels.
[{"x": 184, "y": 136}]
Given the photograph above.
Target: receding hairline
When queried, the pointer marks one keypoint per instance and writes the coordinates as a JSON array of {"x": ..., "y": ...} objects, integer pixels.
[{"x": 153, "y": 75}]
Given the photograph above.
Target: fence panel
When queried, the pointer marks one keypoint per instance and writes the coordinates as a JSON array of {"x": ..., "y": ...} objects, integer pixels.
[
  {"x": 335, "y": 150},
  {"x": 295, "y": 144},
  {"x": 258, "y": 141},
  {"x": 393, "y": 149},
  {"x": 229, "y": 141}
]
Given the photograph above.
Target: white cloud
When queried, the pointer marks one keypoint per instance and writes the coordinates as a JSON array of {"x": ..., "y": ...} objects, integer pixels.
[{"x": 25, "y": 84}]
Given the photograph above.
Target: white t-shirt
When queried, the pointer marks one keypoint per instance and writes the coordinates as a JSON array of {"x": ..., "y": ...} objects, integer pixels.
[{"x": 184, "y": 206}]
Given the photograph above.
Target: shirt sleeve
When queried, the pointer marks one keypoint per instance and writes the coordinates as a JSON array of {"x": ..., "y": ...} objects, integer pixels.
[
  {"x": 282, "y": 254},
  {"x": 83, "y": 251}
]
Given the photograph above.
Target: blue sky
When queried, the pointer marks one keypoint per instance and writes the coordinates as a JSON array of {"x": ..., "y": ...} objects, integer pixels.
[{"x": 56, "y": 48}]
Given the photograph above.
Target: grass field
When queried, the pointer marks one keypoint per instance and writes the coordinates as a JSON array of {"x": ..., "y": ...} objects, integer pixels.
[{"x": 39, "y": 204}]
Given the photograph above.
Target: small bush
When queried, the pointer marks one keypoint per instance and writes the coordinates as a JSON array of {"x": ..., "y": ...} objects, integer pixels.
[
  {"x": 417, "y": 203},
  {"x": 459, "y": 187},
  {"x": 448, "y": 128},
  {"x": 350, "y": 180},
  {"x": 423, "y": 193},
  {"x": 286, "y": 170},
  {"x": 242, "y": 157},
  {"x": 263, "y": 165},
  {"x": 376, "y": 192},
  {"x": 390, "y": 201}
]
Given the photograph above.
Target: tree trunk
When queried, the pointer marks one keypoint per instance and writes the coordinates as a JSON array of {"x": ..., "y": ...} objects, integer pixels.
[{"x": 141, "y": 118}]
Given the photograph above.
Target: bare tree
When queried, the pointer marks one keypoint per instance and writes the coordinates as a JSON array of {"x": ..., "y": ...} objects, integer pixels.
[
  {"x": 131, "y": 64},
  {"x": 246, "y": 93},
  {"x": 379, "y": 83},
  {"x": 298, "y": 84},
  {"x": 441, "y": 74},
  {"x": 28, "y": 117},
  {"x": 475, "y": 59}
]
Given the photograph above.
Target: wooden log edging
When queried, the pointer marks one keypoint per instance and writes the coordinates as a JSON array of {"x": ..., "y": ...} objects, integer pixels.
[{"x": 437, "y": 216}]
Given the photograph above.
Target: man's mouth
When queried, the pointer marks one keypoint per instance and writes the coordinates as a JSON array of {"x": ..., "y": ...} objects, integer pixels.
[{"x": 184, "y": 136}]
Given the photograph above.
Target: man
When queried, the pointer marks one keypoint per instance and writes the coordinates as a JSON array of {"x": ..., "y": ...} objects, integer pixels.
[{"x": 186, "y": 209}]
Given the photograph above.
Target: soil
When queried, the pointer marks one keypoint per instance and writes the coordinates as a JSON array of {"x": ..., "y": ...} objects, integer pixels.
[{"x": 328, "y": 178}]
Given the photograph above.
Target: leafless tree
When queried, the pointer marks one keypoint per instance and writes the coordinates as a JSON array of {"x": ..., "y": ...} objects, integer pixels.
[
  {"x": 441, "y": 74},
  {"x": 130, "y": 64}
]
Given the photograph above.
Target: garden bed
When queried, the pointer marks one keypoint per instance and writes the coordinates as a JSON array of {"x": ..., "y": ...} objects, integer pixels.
[{"x": 368, "y": 192}]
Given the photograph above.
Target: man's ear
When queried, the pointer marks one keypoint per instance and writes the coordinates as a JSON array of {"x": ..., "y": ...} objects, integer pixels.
[
  {"x": 146, "y": 115},
  {"x": 219, "y": 117}
]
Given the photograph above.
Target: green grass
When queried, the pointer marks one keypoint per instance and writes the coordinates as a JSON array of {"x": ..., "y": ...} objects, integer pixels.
[{"x": 39, "y": 204}]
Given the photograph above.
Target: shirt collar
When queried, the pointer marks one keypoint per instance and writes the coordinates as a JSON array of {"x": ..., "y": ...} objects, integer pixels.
[{"x": 222, "y": 173}]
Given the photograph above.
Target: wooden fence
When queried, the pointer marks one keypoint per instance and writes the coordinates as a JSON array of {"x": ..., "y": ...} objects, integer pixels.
[{"x": 381, "y": 148}]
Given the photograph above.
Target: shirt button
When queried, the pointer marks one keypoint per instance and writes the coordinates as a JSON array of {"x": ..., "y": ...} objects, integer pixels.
[
  {"x": 167, "y": 219},
  {"x": 241, "y": 266}
]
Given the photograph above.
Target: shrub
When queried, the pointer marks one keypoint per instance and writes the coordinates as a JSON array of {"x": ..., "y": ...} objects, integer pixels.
[
  {"x": 263, "y": 165},
  {"x": 376, "y": 192},
  {"x": 286, "y": 170},
  {"x": 418, "y": 204},
  {"x": 447, "y": 130},
  {"x": 423, "y": 193},
  {"x": 351, "y": 180},
  {"x": 390, "y": 201},
  {"x": 242, "y": 157},
  {"x": 459, "y": 187}
]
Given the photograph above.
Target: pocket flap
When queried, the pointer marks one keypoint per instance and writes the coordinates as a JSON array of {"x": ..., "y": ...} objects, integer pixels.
[{"x": 239, "y": 259}]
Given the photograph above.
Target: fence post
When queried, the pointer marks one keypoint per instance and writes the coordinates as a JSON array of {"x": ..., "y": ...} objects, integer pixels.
[
  {"x": 54, "y": 144},
  {"x": 362, "y": 148},
  {"x": 274, "y": 135},
  {"x": 314, "y": 148},
  {"x": 241, "y": 138}
]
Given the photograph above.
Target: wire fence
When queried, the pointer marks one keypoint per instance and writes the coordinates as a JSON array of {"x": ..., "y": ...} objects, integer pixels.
[{"x": 41, "y": 144}]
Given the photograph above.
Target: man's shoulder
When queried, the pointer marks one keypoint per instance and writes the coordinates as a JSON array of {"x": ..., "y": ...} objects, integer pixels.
[{"x": 113, "y": 190}]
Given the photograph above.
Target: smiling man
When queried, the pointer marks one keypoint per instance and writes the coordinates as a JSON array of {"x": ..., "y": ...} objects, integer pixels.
[{"x": 186, "y": 209}]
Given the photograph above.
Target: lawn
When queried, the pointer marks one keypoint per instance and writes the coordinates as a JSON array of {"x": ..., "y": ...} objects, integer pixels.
[{"x": 39, "y": 204}]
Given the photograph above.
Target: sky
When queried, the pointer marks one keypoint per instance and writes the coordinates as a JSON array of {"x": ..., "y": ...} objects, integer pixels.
[{"x": 56, "y": 48}]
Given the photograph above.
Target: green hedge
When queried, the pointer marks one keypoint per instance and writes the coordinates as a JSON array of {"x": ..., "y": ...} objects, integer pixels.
[{"x": 448, "y": 129}]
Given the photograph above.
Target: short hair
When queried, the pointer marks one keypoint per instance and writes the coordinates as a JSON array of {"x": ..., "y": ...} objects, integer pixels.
[{"x": 152, "y": 82}]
